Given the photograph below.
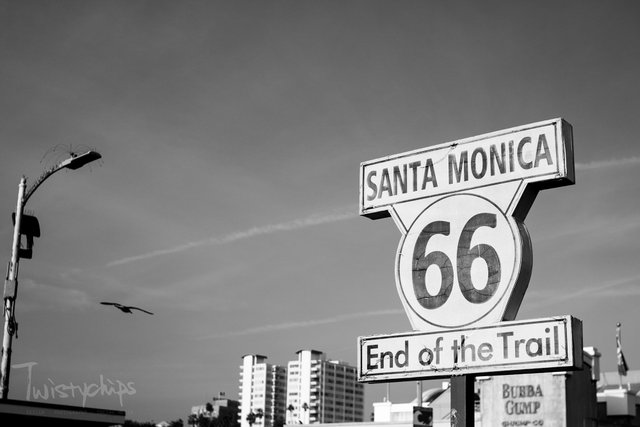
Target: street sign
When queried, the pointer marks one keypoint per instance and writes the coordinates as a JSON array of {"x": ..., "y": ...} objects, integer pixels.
[
  {"x": 465, "y": 254},
  {"x": 464, "y": 260},
  {"x": 548, "y": 344},
  {"x": 536, "y": 153}
]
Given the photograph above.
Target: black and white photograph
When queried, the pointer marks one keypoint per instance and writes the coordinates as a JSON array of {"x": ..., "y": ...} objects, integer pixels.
[{"x": 367, "y": 213}]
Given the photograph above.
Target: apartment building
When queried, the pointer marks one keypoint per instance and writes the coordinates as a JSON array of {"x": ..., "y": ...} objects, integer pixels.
[
  {"x": 322, "y": 391},
  {"x": 262, "y": 392},
  {"x": 310, "y": 390}
]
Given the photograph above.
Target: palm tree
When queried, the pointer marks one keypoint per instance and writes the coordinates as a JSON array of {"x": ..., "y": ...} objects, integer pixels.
[
  {"x": 251, "y": 418},
  {"x": 290, "y": 408},
  {"x": 203, "y": 421}
]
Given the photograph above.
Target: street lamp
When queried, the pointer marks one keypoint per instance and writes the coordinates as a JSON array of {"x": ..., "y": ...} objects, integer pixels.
[{"x": 11, "y": 283}]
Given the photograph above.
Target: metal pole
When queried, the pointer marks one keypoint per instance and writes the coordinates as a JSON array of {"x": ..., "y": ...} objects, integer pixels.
[
  {"x": 462, "y": 405},
  {"x": 10, "y": 294}
]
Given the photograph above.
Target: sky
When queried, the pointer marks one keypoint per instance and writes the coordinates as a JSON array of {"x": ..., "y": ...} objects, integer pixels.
[{"x": 226, "y": 199}]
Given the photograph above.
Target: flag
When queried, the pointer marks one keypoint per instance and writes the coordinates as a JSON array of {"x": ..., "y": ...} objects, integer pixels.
[{"x": 622, "y": 364}]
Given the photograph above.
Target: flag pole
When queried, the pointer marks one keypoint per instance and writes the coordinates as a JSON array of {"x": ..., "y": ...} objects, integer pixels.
[{"x": 622, "y": 363}]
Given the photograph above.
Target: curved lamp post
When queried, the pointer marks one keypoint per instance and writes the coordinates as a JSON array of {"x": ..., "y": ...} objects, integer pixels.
[{"x": 11, "y": 283}]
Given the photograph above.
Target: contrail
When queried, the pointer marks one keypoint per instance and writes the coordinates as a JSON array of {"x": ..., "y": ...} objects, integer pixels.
[
  {"x": 316, "y": 219},
  {"x": 607, "y": 289},
  {"x": 599, "y": 164},
  {"x": 302, "y": 324}
]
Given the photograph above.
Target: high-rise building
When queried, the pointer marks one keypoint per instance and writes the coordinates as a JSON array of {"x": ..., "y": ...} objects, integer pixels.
[
  {"x": 262, "y": 392},
  {"x": 322, "y": 391}
]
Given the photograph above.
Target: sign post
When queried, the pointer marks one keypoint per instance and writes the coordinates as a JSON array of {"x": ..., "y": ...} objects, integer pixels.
[
  {"x": 462, "y": 401},
  {"x": 464, "y": 259}
]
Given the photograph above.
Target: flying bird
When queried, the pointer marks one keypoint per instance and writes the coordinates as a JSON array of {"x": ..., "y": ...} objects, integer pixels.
[{"x": 124, "y": 308}]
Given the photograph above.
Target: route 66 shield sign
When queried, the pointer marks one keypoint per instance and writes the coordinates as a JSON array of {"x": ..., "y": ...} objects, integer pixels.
[{"x": 465, "y": 255}]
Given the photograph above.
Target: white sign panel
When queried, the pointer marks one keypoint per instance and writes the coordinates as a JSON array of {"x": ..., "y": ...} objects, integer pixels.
[
  {"x": 548, "y": 344},
  {"x": 530, "y": 400},
  {"x": 463, "y": 251},
  {"x": 535, "y": 152},
  {"x": 465, "y": 254}
]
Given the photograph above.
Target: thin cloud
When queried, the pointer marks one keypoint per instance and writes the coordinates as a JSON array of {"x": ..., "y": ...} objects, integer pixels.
[
  {"x": 312, "y": 220},
  {"x": 302, "y": 324},
  {"x": 615, "y": 288},
  {"x": 596, "y": 227},
  {"x": 51, "y": 296},
  {"x": 600, "y": 164}
]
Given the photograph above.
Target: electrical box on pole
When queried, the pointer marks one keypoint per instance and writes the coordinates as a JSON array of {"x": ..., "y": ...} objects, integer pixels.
[{"x": 30, "y": 228}]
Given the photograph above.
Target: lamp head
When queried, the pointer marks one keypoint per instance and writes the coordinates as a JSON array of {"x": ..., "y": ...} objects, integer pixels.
[{"x": 76, "y": 162}]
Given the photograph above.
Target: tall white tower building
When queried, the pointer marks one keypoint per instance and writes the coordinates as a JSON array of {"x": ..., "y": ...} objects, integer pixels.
[
  {"x": 322, "y": 391},
  {"x": 262, "y": 391}
]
